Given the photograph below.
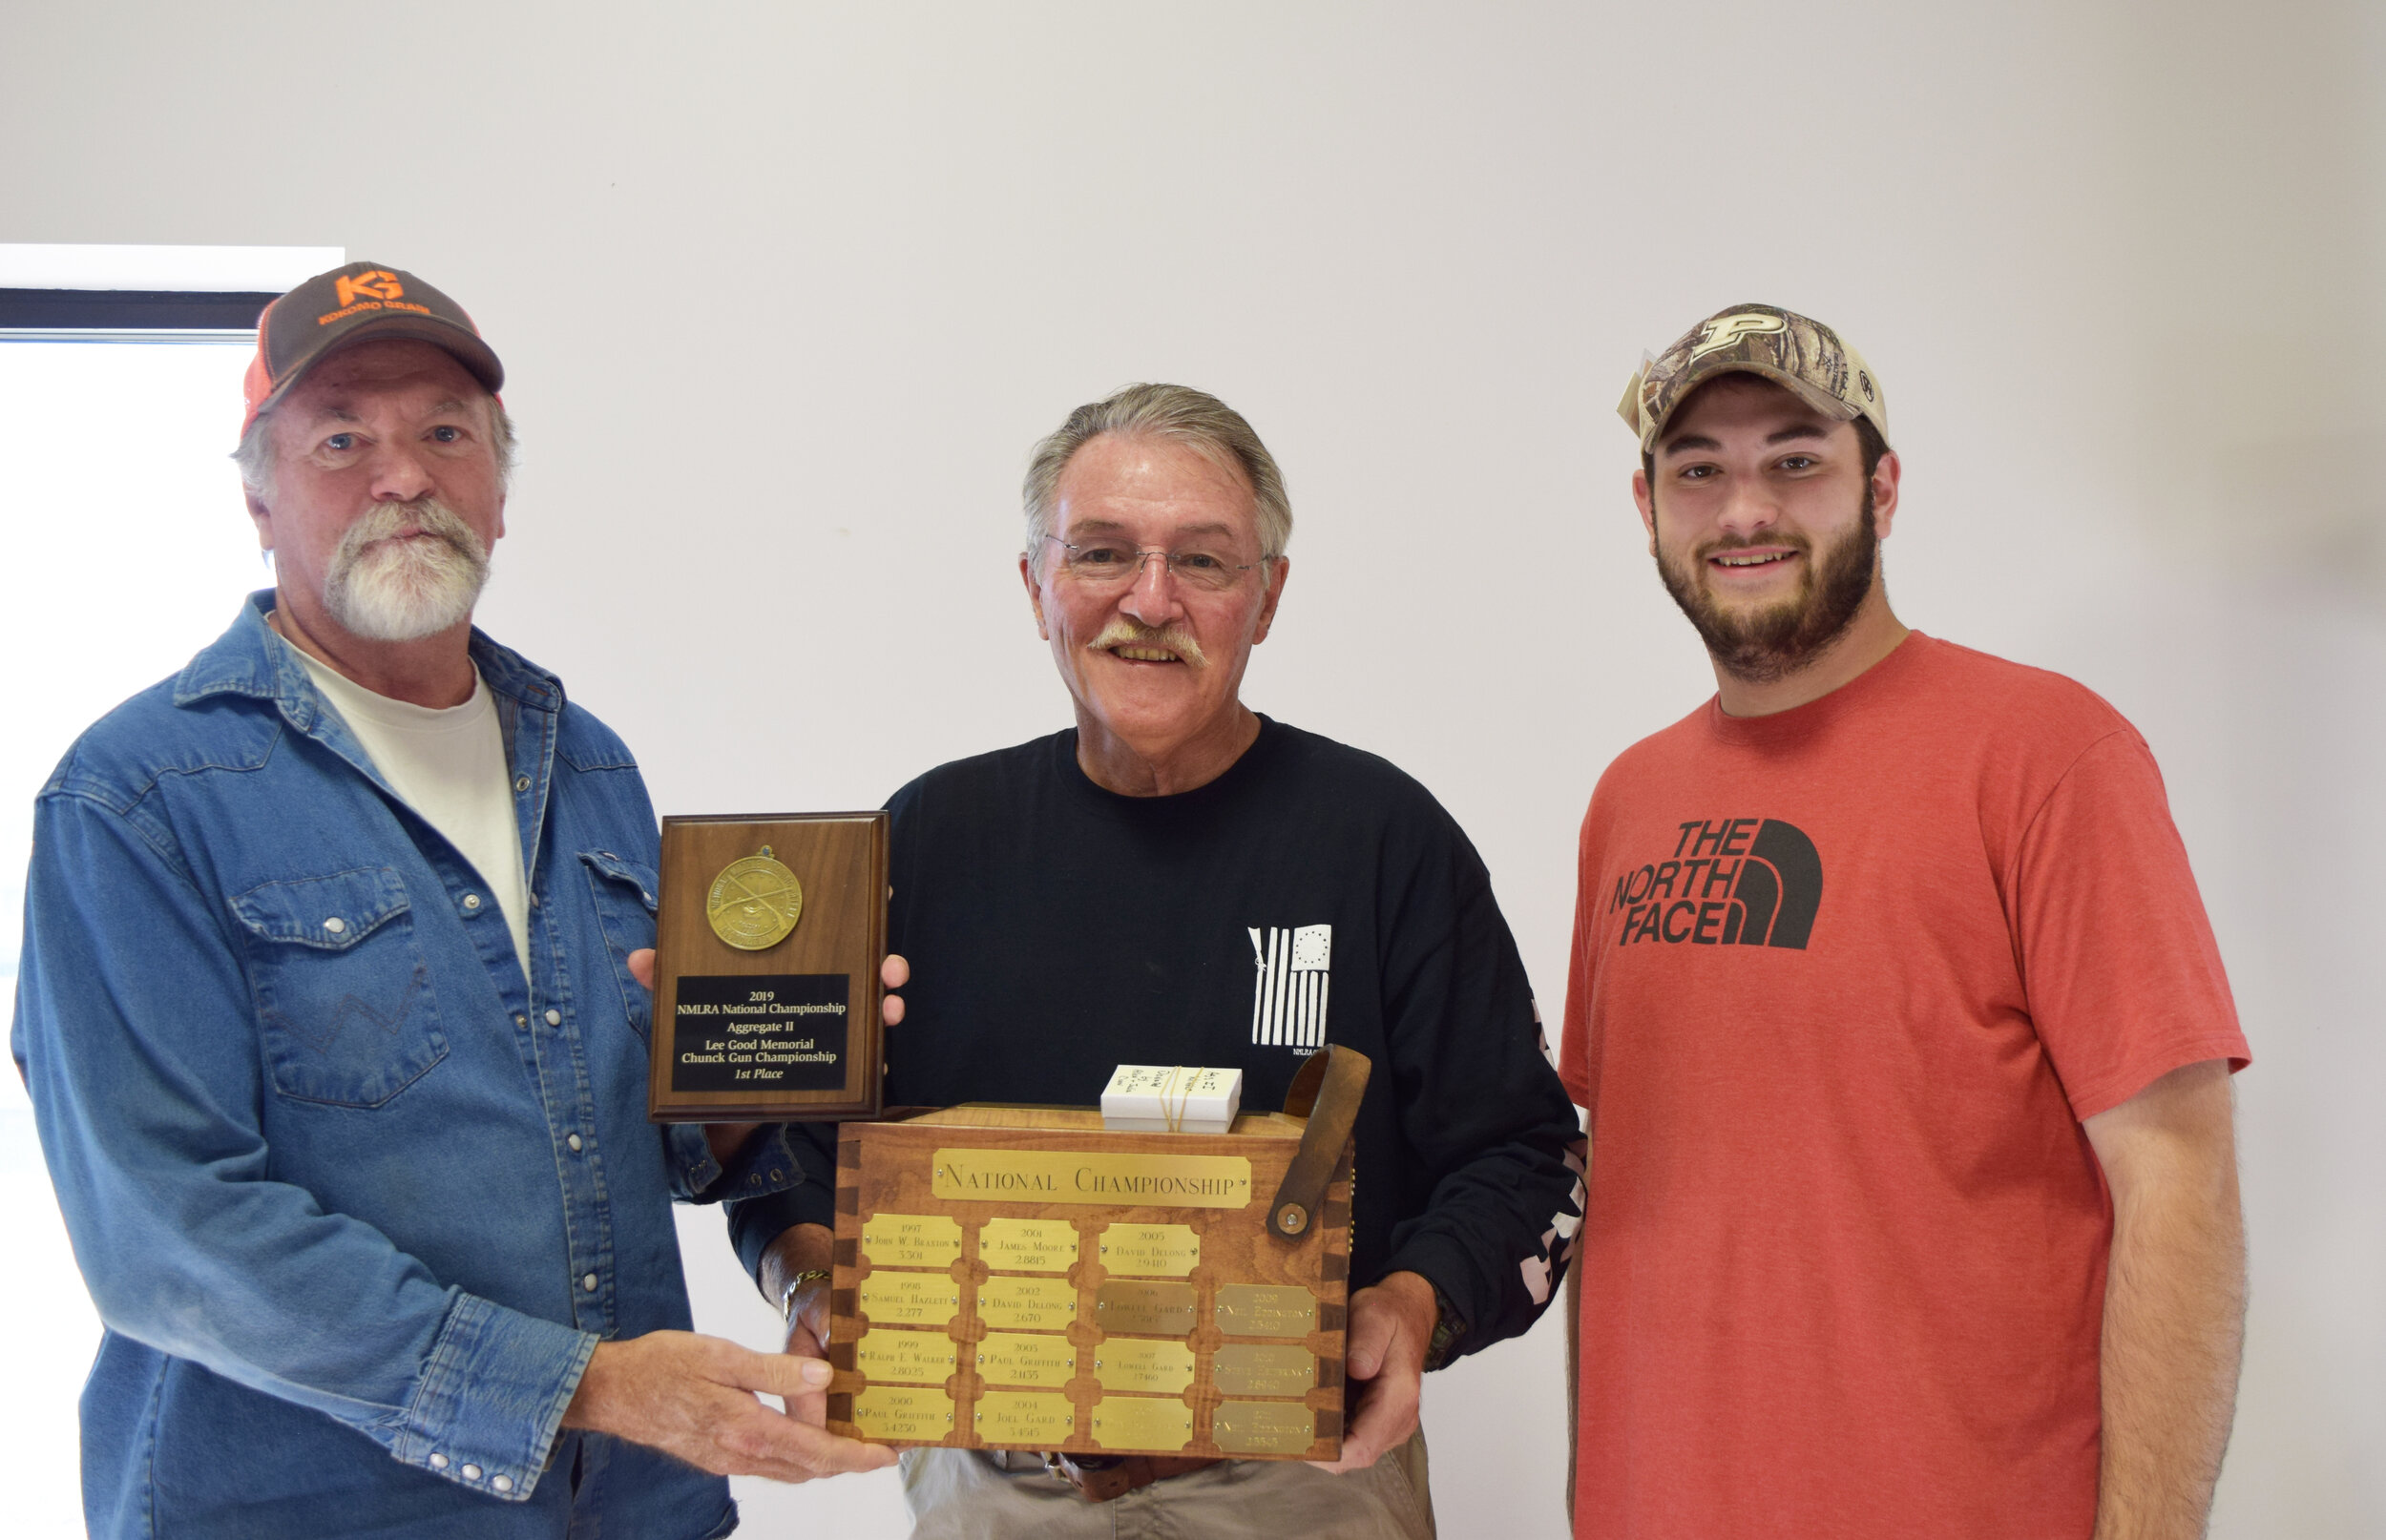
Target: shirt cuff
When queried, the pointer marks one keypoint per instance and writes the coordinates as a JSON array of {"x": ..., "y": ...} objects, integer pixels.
[
  {"x": 1458, "y": 1287},
  {"x": 486, "y": 1412},
  {"x": 765, "y": 1165},
  {"x": 753, "y": 1226}
]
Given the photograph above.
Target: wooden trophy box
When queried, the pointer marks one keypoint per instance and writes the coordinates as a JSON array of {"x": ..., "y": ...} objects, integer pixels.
[{"x": 1016, "y": 1278}]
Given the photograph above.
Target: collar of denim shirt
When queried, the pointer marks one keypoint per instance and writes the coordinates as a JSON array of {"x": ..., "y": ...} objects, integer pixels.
[{"x": 253, "y": 659}]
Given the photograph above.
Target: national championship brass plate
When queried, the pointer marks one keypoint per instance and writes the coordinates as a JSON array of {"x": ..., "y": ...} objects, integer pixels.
[
  {"x": 768, "y": 934},
  {"x": 1103, "y": 1178}
]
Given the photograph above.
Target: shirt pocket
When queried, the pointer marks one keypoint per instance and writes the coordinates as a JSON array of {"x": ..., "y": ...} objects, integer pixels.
[
  {"x": 344, "y": 993},
  {"x": 624, "y": 891}
]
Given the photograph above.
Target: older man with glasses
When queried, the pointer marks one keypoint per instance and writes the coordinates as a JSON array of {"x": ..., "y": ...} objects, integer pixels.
[{"x": 1179, "y": 880}]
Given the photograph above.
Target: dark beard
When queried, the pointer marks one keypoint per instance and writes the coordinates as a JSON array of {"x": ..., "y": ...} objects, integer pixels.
[{"x": 1771, "y": 644}]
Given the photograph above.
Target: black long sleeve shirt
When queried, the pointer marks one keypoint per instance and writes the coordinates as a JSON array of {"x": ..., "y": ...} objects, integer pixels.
[{"x": 1311, "y": 893}]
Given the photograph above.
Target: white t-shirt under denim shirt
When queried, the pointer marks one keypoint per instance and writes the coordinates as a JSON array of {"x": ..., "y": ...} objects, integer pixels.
[{"x": 449, "y": 766}]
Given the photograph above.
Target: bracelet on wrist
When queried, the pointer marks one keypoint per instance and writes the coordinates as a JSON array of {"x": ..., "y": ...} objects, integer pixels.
[
  {"x": 1447, "y": 1329},
  {"x": 789, "y": 1290}
]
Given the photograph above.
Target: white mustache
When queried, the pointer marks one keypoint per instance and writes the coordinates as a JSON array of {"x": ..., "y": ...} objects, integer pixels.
[
  {"x": 1124, "y": 633},
  {"x": 428, "y": 514}
]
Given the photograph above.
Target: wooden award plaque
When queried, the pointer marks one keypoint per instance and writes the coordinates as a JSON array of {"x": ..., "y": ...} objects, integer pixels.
[
  {"x": 1020, "y": 1277},
  {"x": 767, "y": 939}
]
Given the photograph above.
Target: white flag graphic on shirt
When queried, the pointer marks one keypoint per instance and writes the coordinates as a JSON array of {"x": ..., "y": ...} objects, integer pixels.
[{"x": 1292, "y": 971}]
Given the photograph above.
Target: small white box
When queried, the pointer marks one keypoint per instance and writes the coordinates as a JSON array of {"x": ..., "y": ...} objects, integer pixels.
[{"x": 1156, "y": 1098}]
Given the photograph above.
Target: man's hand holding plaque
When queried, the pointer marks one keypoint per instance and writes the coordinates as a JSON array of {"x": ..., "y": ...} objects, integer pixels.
[{"x": 801, "y": 1254}]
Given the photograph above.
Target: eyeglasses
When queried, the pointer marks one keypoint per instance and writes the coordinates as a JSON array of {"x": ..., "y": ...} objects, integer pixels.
[{"x": 1115, "y": 564}]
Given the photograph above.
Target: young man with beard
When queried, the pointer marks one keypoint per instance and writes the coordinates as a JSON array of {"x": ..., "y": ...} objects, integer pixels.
[
  {"x": 325, "y": 1014},
  {"x": 1903, "y": 1037}
]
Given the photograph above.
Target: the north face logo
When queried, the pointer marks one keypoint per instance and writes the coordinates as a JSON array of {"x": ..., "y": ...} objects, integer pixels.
[{"x": 1733, "y": 881}]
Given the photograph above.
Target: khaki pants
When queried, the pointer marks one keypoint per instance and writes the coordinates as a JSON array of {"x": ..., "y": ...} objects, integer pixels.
[{"x": 965, "y": 1494}]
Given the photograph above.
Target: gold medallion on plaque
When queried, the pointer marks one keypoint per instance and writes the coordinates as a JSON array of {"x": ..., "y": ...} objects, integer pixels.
[{"x": 755, "y": 902}]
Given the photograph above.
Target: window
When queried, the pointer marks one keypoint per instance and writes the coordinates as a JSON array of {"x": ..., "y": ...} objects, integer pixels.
[{"x": 129, "y": 550}]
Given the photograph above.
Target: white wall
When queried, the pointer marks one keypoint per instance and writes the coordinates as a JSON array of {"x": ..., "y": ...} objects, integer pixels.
[{"x": 786, "y": 291}]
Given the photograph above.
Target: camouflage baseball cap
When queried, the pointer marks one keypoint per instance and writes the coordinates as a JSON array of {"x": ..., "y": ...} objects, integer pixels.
[
  {"x": 333, "y": 309},
  {"x": 1804, "y": 355}
]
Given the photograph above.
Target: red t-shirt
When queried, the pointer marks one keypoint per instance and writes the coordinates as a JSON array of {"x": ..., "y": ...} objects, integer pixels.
[{"x": 1845, "y": 981}]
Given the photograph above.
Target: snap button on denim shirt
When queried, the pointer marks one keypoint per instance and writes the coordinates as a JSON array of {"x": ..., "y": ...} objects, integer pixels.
[{"x": 356, "y": 1196}]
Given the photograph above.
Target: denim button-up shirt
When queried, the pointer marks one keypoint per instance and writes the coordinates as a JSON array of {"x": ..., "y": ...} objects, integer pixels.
[{"x": 355, "y": 1197}]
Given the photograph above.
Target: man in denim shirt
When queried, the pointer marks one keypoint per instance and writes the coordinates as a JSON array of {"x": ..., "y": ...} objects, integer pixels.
[{"x": 327, "y": 1014}]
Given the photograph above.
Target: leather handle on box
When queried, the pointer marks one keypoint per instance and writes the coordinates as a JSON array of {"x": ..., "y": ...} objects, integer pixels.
[{"x": 1326, "y": 1092}]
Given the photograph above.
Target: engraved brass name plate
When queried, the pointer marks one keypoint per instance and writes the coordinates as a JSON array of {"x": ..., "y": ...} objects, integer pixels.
[
  {"x": 885, "y": 1411},
  {"x": 1157, "y": 1309},
  {"x": 1134, "y": 1364},
  {"x": 1266, "y": 1310},
  {"x": 1152, "y": 1250},
  {"x": 1027, "y": 1303},
  {"x": 1257, "y": 1369},
  {"x": 1141, "y": 1422},
  {"x": 1027, "y": 1245},
  {"x": 1024, "y": 1418},
  {"x": 1015, "y": 1358},
  {"x": 911, "y": 1239},
  {"x": 1086, "y": 1177},
  {"x": 910, "y": 1298},
  {"x": 916, "y": 1357},
  {"x": 1262, "y": 1427}
]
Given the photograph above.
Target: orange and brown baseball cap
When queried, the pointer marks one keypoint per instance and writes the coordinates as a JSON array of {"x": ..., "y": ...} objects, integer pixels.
[
  {"x": 333, "y": 309},
  {"x": 1806, "y": 357}
]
